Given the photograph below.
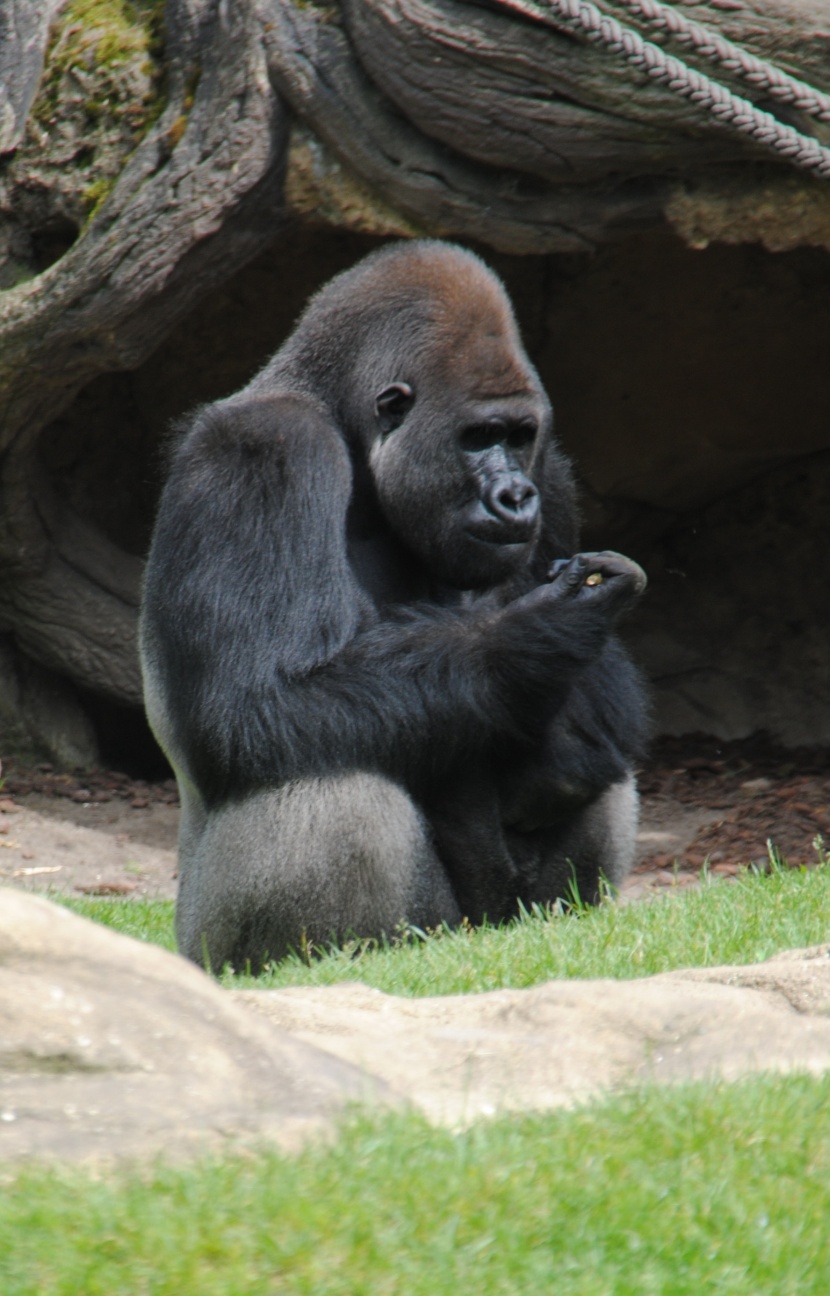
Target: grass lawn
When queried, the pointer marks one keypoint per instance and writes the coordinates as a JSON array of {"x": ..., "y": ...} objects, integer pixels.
[
  {"x": 702, "y": 1187},
  {"x": 691, "y": 1190},
  {"x": 743, "y": 921}
]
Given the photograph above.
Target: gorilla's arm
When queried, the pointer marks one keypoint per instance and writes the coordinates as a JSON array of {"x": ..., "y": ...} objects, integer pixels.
[
  {"x": 598, "y": 732},
  {"x": 270, "y": 659}
]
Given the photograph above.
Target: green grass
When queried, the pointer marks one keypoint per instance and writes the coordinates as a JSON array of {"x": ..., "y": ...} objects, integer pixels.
[
  {"x": 744, "y": 921},
  {"x": 690, "y": 1190},
  {"x": 147, "y": 920},
  {"x": 680, "y": 1190}
]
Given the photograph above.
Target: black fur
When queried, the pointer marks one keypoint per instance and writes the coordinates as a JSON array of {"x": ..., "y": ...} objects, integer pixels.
[{"x": 349, "y": 618}]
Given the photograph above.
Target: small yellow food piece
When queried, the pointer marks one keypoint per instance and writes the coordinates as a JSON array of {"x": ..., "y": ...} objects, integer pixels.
[{"x": 594, "y": 579}]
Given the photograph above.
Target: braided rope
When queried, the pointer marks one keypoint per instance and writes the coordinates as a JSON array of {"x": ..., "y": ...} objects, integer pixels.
[
  {"x": 711, "y": 45},
  {"x": 726, "y": 107}
]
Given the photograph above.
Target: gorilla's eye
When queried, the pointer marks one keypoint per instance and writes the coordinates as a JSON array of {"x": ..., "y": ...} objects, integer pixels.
[
  {"x": 482, "y": 436},
  {"x": 521, "y": 434},
  {"x": 392, "y": 406}
]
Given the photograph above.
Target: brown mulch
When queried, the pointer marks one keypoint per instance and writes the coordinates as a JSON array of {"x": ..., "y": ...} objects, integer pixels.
[
  {"x": 766, "y": 798},
  {"x": 87, "y": 787},
  {"x": 95, "y": 832}
]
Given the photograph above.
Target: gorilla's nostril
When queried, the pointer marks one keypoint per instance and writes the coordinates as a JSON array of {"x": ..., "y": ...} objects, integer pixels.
[{"x": 515, "y": 499}]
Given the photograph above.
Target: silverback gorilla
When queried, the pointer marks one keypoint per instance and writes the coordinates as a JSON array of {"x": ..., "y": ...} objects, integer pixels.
[{"x": 387, "y": 682}]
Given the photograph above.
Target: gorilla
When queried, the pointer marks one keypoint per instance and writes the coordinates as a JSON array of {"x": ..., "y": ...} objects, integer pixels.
[{"x": 386, "y": 679}]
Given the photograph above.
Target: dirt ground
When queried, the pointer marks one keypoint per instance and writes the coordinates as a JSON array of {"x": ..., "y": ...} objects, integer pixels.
[{"x": 101, "y": 833}]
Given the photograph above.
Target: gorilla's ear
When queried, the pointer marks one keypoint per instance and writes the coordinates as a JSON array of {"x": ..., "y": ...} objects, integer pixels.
[{"x": 392, "y": 406}]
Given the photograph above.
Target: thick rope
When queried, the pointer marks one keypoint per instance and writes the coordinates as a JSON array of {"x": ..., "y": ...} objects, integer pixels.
[
  {"x": 726, "y": 107},
  {"x": 711, "y": 45}
]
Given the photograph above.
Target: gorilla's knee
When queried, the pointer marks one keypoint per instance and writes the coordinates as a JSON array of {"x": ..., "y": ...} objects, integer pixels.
[
  {"x": 316, "y": 861},
  {"x": 602, "y": 841},
  {"x": 618, "y": 811}
]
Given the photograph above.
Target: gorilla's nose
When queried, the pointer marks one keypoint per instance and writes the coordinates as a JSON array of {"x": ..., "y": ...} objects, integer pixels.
[{"x": 513, "y": 500}]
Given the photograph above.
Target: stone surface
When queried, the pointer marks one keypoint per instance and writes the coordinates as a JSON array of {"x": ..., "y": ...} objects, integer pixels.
[
  {"x": 680, "y": 376},
  {"x": 733, "y": 632},
  {"x": 113, "y": 1049},
  {"x": 110, "y": 1048},
  {"x": 465, "y": 1056}
]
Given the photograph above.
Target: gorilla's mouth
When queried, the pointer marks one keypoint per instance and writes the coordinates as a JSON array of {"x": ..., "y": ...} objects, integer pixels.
[{"x": 503, "y": 534}]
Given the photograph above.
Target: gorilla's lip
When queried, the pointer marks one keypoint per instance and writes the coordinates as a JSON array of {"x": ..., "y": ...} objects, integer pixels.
[{"x": 501, "y": 535}]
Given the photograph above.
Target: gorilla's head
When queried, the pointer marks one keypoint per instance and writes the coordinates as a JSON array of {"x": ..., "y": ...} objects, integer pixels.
[
  {"x": 418, "y": 352},
  {"x": 459, "y": 423}
]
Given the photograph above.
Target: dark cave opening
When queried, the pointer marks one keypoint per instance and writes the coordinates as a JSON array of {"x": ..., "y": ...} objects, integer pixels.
[{"x": 691, "y": 389}]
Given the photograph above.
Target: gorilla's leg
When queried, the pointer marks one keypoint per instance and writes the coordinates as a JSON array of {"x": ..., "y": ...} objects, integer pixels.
[
  {"x": 603, "y": 840},
  {"x": 596, "y": 842},
  {"x": 314, "y": 861}
]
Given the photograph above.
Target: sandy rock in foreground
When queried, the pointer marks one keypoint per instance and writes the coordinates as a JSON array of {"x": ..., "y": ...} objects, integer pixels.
[
  {"x": 110, "y": 1048},
  {"x": 464, "y": 1056}
]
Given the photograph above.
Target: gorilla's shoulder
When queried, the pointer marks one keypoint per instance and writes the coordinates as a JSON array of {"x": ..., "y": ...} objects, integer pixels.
[{"x": 261, "y": 427}]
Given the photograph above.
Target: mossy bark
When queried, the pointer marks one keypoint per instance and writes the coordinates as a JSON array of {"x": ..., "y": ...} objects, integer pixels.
[{"x": 197, "y": 195}]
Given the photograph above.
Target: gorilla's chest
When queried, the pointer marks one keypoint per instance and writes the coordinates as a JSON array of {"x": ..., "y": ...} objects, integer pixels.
[{"x": 393, "y": 578}]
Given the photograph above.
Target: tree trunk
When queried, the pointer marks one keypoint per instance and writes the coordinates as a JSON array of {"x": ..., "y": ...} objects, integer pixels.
[{"x": 196, "y": 199}]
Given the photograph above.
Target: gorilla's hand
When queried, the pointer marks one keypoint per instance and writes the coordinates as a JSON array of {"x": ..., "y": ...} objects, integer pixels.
[
  {"x": 606, "y": 581},
  {"x": 606, "y": 576},
  {"x": 566, "y": 621}
]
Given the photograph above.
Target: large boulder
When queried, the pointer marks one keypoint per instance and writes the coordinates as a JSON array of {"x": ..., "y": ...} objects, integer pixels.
[
  {"x": 111, "y": 1048},
  {"x": 459, "y": 1057}
]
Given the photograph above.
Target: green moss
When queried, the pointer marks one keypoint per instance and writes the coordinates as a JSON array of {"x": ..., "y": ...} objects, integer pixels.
[
  {"x": 105, "y": 55},
  {"x": 96, "y": 194}
]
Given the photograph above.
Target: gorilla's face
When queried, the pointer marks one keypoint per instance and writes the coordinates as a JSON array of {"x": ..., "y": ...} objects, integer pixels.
[
  {"x": 444, "y": 404},
  {"x": 455, "y": 479}
]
